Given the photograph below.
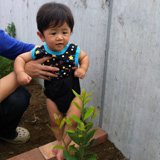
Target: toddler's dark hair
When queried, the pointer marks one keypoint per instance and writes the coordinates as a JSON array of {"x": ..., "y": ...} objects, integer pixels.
[{"x": 54, "y": 14}]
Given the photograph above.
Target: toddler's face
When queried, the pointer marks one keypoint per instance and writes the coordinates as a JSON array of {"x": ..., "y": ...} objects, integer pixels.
[{"x": 57, "y": 38}]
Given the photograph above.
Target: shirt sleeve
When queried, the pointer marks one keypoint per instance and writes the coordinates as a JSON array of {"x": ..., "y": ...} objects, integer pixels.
[
  {"x": 77, "y": 56},
  {"x": 33, "y": 53},
  {"x": 37, "y": 53},
  {"x": 11, "y": 48}
]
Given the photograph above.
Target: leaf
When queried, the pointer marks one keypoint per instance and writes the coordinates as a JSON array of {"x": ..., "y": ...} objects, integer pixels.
[
  {"x": 78, "y": 130},
  {"x": 73, "y": 148},
  {"x": 89, "y": 126},
  {"x": 80, "y": 135},
  {"x": 88, "y": 153},
  {"x": 59, "y": 147},
  {"x": 84, "y": 109},
  {"x": 77, "y": 105},
  {"x": 62, "y": 123},
  {"x": 86, "y": 101},
  {"x": 57, "y": 119},
  {"x": 82, "y": 127},
  {"x": 89, "y": 123},
  {"x": 83, "y": 91},
  {"x": 68, "y": 121},
  {"x": 76, "y": 94},
  {"x": 89, "y": 93},
  {"x": 88, "y": 113},
  {"x": 77, "y": 154},
  {"x": 76, "y": 119},
  {"x": 74, "y": 137},
  {"x": 67, "y": 156},
  {"x": 89, "y": 135},
  {"x": 94, "y": 115},
  {"x": 84, "y": 96},
  {"x": 70, "y": 131},
  {"x": 92, "y": 157},
  {"x": 90, "y": 144},
  {"x": 52, "y": 129}
]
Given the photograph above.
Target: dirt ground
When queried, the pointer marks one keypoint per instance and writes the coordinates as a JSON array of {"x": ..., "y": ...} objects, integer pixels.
[{"x": 35, "y": 119}]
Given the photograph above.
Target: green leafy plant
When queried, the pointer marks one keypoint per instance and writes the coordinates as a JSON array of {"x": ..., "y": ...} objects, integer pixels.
[
  {"x": 11, "y": 29},
  {"x": 6, "y": 65},
  {"x": 82, "y": 136}
]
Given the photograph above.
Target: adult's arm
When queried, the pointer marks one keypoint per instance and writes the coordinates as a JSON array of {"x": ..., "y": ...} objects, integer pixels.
[
  {"x": 11, "y": 48},
  {"x": 8, "y": 84}
]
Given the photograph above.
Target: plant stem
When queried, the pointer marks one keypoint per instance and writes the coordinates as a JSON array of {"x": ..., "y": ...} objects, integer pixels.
[{"x": 62, "y": 137}]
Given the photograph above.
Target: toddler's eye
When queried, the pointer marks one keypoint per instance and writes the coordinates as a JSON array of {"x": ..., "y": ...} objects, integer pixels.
[
  {"x": 53, "y": 33},
  {"x": 64, "y": 32}
]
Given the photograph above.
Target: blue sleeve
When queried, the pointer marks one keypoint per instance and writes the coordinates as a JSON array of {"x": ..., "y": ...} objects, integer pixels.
[
  {"x": 11, "y": 48},
  {"x": 77, "y": 56},
  {"x": 33, "y": 53}
]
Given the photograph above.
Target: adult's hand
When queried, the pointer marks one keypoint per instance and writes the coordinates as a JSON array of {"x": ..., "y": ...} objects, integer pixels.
[{"x": 36, "y": 69}]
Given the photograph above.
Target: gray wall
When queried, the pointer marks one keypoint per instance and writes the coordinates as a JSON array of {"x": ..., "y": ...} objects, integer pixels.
[
  {"x": 131, "y": 114},
  {"x": 121, "y": 38}
]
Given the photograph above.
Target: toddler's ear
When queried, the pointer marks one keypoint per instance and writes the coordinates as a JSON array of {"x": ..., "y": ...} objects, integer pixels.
[{"x": 41, "y": 36}]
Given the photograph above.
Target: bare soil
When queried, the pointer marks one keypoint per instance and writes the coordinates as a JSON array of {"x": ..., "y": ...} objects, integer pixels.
[{"x": 35, "y": 119}]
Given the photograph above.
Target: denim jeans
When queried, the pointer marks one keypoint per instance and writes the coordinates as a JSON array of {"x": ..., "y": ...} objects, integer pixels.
[{"x": 11, "y": 111}]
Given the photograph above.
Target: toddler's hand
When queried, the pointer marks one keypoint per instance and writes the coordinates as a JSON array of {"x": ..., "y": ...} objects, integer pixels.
[
  {"x": 23, "y": 78},
  {"x": 80, "y": 73}
]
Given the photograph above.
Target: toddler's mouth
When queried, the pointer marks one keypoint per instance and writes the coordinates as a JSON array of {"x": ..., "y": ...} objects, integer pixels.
[{"x": 59, "y": 44}]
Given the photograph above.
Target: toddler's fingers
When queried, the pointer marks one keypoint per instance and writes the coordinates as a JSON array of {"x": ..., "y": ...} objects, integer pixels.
[
  {"x": 75, "y": 73},
  {"x": 29, "y": 79}
]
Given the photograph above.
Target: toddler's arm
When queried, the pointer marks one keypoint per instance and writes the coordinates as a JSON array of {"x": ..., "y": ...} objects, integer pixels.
[
  {"x": 84, "y": 63},
  {"x": 19, "y": 65}
]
